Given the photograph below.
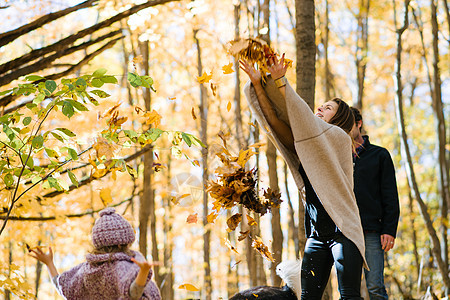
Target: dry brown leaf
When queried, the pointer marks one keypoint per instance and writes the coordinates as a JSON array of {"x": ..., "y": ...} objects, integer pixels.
[
  {"x": 192, "y": 218},
  {"x": 234, "y": 221}
]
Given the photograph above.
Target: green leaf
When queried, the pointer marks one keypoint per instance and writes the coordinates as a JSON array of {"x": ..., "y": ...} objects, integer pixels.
[
  {"x": 100, "y": 93},
  {"x": 51, "y": 152},
  {"x": 154, "y": 133},
  {"x": 195, "y": 141},
  {"x": 78, "y": 105},
  {"x": 33, "y": 78},
  {"x": 80, "y": 82},
  {"x": 35, "y": 179},
  {"x": 186, "y": 139},
  {"x": 73, "y": 154},
  {"x": 134, "y": 79},
  {"x": 9, "y": 180},
  {"x": 66, "y": 132},
  {"x": 26, "y": 121},
  {"x": 131, "y": 171},
  {"x": 6, "y": 92},
  {"x": 109, "y": 79},
  {"x": 39, "y": 98},
  {"x": 58, "y": 137},
  {"x": 73, "y": 178},
  {"x": 63, "y": 184},
  {"x": 37, "y": 142},
  {"x": 97, "y": 82},
  {"x": 50, "y": 85},
  {"x": 99, "y": 72},
  {"x": 67, "y": 109},
  {"x": 54, "y": 183},
  {"x": 30, "y": 162}
]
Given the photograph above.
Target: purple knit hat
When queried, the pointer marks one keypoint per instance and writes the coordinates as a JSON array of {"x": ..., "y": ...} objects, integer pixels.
[{"x": 111, "y": 229}]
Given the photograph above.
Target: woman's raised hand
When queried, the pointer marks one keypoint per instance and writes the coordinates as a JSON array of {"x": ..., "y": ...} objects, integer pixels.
[
  {"x": 253, "y": 74},
  {"x": 276, "y": 67}
]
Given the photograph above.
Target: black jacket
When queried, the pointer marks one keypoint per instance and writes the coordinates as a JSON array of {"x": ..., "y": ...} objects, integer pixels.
[{"x": 376, "y": 189}]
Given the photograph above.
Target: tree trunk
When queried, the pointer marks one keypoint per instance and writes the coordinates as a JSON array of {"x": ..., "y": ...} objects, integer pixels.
[
  {"x": 167, "y": 291},
  {"x": 293, "y": 228},
  {"x": 436, "y": 246},
  {"x": 306, "y": 50},
  {"x": 438, "y": 109},
  {"x": 362, "y": 48},
  {"x": 203, "y": 134}
]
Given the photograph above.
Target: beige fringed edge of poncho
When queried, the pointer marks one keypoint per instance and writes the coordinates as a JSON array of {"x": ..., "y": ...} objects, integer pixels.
[{"x": 325, "y": 151}]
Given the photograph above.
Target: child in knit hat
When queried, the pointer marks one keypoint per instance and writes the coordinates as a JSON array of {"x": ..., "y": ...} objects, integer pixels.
[{"x": 111, "y": 270}]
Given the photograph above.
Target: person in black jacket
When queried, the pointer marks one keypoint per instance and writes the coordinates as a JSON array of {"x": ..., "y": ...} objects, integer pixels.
[{"x": 376, "y": 194}]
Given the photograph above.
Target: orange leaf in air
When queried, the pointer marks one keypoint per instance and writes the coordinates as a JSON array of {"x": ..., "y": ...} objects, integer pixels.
[
  {"x": 189, "y": 287},
  {"x": 227, "y": 69},
  {"x": 229, "y": 106},
  {"x": 192, "y": 218},
  {"x": 204, "y": 78},
  {"x": 193, "y": 114}
]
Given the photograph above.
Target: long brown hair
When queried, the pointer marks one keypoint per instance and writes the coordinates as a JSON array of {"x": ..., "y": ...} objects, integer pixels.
[{"x": 343, "y": 117}]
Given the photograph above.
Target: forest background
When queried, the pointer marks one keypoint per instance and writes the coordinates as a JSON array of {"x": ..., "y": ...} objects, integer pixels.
[{"x": 390, "y": 58}]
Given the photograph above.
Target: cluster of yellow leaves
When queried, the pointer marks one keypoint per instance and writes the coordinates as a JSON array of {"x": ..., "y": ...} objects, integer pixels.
[
  {"x": 12, "y": 280},
  {"x": 259, "y": 246},
  {"x": 237, "y": 186},
  {"x": 254, "y": 50}
]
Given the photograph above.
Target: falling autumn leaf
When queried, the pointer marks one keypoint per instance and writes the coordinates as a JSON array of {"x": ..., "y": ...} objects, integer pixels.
[
  {"x": 256, "y": 295},
  {"x": 192, "y": 218},
  {"x": 244, "y": 156},
  {"x": 244, "y": 235},
  {"x": 212, "y": 217},
  {"x": 105, "y": 196},
  {"x": 214, "y": 89},
  {"x": 204, "y": 78},
  {"x": 228, "y": 69},
  {"x": 172, "y": 98},
  {"x": 103, "y": 148},
  {"x": 288, "y": 62},
  {"x": 193, "y": 114},
  {"x": 229, "y": 106},
  {"x": 188, "y": 287},
  {"x": 234, "y": 221},
  {"x": 251, "y": 221},
  {"x": 231, "y": 247},
  {"x": 152, "y": 118},
  {"x": 110, "y": 111},
  {"x": 259, "y": 246}
]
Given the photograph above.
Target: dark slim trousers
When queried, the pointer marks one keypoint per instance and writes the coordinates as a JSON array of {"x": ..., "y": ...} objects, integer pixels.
[{"x": 320, "y": 255}]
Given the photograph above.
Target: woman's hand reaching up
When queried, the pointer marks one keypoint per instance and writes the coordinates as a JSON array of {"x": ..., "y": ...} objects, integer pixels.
[
  {"x": 276, "y": 67},
  {"x": 253, "y": 74}
]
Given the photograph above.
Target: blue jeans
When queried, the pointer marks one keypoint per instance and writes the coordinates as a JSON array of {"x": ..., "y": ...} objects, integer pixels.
[
  {"x": 375, "y": 260},
  {"x": 319, "y": 256}
]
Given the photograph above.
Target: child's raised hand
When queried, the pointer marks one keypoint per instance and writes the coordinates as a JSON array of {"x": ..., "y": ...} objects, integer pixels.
[
  {"x": 144, "y": 269},
  {"x": 145, "y": 265},
  {"x": 45, "y": 258}
]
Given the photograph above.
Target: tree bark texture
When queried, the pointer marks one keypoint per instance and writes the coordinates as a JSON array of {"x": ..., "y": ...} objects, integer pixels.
[
  {"x": 362, "y": 48},
  {"x": 306, "y": 50}
]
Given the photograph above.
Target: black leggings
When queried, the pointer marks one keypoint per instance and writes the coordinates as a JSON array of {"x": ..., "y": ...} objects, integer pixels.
[{"x": 320, "y": 254}]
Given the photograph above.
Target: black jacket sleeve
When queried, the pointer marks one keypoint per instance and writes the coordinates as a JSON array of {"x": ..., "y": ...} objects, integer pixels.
[{"x": 389, "y": 195}]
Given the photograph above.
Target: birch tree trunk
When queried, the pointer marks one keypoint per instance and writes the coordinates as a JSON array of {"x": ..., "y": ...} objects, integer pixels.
[{"x": 203, "y": 135}]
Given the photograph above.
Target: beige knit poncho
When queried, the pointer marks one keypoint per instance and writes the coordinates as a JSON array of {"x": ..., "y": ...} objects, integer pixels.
[{"x": 325, "y": 152}]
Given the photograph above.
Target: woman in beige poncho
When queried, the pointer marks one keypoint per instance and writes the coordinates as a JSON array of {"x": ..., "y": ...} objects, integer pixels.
[{"x": 318, "y": 151}]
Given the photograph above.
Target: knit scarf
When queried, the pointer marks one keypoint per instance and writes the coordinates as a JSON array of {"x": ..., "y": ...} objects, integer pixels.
[
  {"x": 325, "y": 152},
  {"x": 105, "y": 276}
]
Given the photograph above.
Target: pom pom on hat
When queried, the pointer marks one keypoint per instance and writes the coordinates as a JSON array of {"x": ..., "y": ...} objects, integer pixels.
[{"x": 111, "y": 229}]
